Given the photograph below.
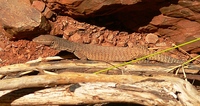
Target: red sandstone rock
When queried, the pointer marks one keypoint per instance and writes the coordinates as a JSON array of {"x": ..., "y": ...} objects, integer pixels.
[{"x": 21, "y": 20}]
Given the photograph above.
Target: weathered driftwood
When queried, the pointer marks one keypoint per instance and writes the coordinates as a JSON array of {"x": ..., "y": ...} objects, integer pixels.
[
  {"x": 77, "y": 64},
  {"x": 92, "y": 88},
  {"x": 95, "y": 88}
]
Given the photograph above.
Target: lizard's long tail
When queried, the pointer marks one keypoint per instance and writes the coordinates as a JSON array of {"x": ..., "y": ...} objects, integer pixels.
[{"x": 165, "y": 59}]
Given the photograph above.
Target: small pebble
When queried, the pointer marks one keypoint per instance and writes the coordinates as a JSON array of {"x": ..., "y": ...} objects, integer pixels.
[
  {"x": 161, "y": 44},
  {"x": 75, "y": 37},
  {"x": 39, "y": 5},
  {"x": 151, "y": 38}
]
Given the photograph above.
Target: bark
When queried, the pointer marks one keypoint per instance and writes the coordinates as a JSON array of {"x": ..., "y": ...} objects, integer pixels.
[
  {"x": 72, "y": 88},
  {"x": 92, "y": 89},
  {"x": 95, "y": 66}
]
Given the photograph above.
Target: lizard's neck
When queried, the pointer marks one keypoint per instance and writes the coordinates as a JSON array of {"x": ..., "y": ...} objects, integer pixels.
[{"x": 61, "y": 44}]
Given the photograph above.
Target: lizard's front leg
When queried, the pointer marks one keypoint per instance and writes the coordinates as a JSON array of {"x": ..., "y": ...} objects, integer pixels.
[{"x": 80, "y": 55}]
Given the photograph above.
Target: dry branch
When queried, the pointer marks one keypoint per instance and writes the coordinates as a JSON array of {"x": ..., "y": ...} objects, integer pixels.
[
  {"x": 77, "y": 64},
  {"x": 92, "y": 88},
  {"x": 64, "y": 78},
  {"x": 158, "y": 90}
]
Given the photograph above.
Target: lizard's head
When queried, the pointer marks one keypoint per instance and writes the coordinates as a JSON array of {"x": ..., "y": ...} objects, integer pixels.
[{"x": 44, "y": 39}]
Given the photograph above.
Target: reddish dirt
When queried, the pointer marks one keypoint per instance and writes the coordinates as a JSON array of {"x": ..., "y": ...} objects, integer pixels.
[{"x": 12, "y": 52}]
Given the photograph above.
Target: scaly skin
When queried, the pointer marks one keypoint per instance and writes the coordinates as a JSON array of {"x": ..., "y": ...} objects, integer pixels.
[{"x": 103, "y": 53}]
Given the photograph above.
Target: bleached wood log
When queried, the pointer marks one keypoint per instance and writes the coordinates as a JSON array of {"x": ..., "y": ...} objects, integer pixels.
[
  {"x": 77, "y": 64},
  {"x": 92, "y": 89}
]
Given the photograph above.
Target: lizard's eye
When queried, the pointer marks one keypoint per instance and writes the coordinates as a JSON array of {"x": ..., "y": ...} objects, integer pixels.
[{"x": 52, "y": 43}]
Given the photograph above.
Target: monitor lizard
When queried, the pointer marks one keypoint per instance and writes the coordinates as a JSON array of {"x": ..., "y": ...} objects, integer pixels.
[{"x": 102, "y": 53}]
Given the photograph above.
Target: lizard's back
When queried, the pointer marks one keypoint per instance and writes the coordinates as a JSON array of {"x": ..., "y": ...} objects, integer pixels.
[
  {"x": 104, "y": 53},
  {"x": 93, "y": 52}
]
